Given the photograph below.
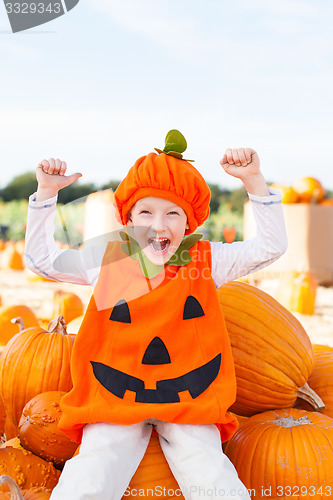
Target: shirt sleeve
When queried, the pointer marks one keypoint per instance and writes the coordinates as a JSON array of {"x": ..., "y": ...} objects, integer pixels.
[
  {"x": 45, "y": 258},
  {"x": 233, "y": 260}
]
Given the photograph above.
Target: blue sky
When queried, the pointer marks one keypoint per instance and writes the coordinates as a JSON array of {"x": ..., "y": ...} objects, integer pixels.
[{"x": 102, "y": 85}]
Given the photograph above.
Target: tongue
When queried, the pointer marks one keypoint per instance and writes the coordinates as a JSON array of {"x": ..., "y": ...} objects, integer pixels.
[{"x": 159, "y": 246}]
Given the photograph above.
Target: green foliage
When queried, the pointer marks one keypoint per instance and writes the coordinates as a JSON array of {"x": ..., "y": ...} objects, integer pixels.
[
  {"x": 224, "y": 217},
  {"x": 20, "y": 188},
  {"x": 13, "y": 215},
  {"x": 111, "y": 185},
  {"x": 75, "y": 191}
]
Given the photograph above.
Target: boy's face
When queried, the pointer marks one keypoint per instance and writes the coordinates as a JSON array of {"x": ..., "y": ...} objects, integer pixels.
[{"x": 159, "y": 227}]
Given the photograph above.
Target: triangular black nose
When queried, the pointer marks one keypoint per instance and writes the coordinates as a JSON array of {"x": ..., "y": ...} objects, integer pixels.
[{"x": 156, "y": 353}]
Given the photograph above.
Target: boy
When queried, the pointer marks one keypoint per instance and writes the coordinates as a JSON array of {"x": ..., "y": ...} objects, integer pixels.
[{"x": 153, "y": 350}]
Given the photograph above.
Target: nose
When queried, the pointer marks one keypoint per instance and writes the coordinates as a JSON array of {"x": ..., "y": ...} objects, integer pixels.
[{"x": 158, "y": 223}]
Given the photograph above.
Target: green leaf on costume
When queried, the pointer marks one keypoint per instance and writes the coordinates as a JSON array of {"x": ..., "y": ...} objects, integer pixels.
[
  {"x": 175, "y": 145},
  {"x": 181, "y": 257},
  {"x": 175, "y": 142}
]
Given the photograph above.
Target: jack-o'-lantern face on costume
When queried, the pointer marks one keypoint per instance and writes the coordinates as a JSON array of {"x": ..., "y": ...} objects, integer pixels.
[{"x": 154, "y": 344}]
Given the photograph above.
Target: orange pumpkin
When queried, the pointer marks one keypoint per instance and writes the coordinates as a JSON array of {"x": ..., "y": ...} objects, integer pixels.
[
  {"x": 309, "y": 190},
  {"x": 32, "y": 362},
  {"x": 273, "y": 354},
  {"x": 321, "y": 379},
  {"x": 12, "y": 259},
  {"x": 39, "y": 431},
  {"x": 16, "y": 494},
  {"x": 284, "y": 453},
  {"x": 153, "y": 474},
  {"x": 297, "y": 292},
  {"x": 288, "y": 193},
  {"x": 13, "y": 442},
  {"x": 67, "y": 304},
  {"x": 74, "y": 325},
  {"x": 7, "y": 328},
  {"x": 327, "y": 202},
  {"x": 26, "y": 469}
]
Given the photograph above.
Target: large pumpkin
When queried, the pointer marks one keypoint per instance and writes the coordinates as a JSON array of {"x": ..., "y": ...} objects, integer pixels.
[
  {"x": 273, "y": 354},
  {"x": 7, "y": 328},
  {"x": 321, "y": 379},
  {"x": 39, "y": 431},
  {"x": 35, "y": 361},
  {"x": 38, "y": 493},
  {"x": 26, "y": 469},
  {"x": 284, "y": 453},
  {"x": 153, "y": 474}
]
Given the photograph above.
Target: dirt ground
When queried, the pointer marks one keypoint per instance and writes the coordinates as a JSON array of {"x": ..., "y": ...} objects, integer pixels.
[{"x": 16, "y": 287}]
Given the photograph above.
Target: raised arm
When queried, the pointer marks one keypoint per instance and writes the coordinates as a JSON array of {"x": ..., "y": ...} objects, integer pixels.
[
  {"x": 42, "y": 255},
  {"x": 231, "y": 261}
]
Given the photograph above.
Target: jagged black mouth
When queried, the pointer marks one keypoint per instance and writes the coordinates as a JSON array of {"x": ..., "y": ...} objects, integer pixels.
[{"x": 195, "y": 381}]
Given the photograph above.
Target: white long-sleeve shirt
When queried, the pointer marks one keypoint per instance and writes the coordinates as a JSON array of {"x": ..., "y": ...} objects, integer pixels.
[{"x": 229, "y": 260}]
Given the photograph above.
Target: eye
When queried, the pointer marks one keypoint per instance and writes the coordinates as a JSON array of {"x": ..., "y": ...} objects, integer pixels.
[
  {"x": 173, "y": 213},
  {"x": 144, "y": 212}
]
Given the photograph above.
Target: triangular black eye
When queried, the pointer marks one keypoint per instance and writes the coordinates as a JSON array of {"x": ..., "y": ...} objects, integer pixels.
[
  {"x": 121, "y": 313},
  {"x": 192, "y": 308},
  {"x": 156, "y": 353}
]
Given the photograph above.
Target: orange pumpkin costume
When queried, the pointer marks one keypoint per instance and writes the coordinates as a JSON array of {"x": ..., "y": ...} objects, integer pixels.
[
  {"x": 158, "y": 351},
  {"x": 154, "y": 348}
]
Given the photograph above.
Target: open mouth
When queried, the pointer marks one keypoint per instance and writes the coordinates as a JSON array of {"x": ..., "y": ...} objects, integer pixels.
[
  {"x": 167, "y": 391},
  {"x": 159, "y": 245}
]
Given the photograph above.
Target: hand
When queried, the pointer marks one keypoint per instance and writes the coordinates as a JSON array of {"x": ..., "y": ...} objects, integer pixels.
[
  {"x": 241, "y": 162},
  {"x": 51, "y": 178}
]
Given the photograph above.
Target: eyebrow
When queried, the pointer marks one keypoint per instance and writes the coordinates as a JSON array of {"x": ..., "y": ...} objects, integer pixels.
[{"x": 147, "y": 205}]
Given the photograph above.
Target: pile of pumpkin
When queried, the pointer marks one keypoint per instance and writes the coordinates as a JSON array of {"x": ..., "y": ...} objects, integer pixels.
[
  {"x": 281, "y": 448},
  {"x": 304, "y": 190}
]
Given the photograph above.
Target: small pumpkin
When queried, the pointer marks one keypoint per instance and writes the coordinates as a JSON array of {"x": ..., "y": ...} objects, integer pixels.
[
  {"x": 74, "y": 325},
  {"x": 39, "y": 431},
  {"x": 284, "y": 453},
  {"x": 12, "y": 259},
  {"x": 67, "y": 304},
  {"x": 26, "y": 469},
  {"x": 13, "y": 442},
  {"x": 272, "y": 352},
  {"x": 7, "y": 328},
  {"x": 309, "y": 190},
  {"x": 327, "y": 202},
  {"x": 288, "y": 193},
  {"x": 154, "y": 474},
  {"x": 297, "y": 292},
  {"x": 32, "y": 362},
  {"x": 16, "y": 494}
]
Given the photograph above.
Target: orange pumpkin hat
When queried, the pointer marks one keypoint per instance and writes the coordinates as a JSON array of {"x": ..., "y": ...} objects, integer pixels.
[{"x": 166, "y": 175}]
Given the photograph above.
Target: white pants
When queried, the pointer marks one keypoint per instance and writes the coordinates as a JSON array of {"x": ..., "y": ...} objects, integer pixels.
[{"x": 110, "y": 454}]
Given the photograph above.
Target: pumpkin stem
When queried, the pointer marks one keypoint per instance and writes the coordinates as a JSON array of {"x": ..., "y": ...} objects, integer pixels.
[
  {"x": 18, "y": 321},
  {"x": 311, "y": 397},
  {"x": 57, "y": 325},
  {"x": 13, "y": 487}
]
